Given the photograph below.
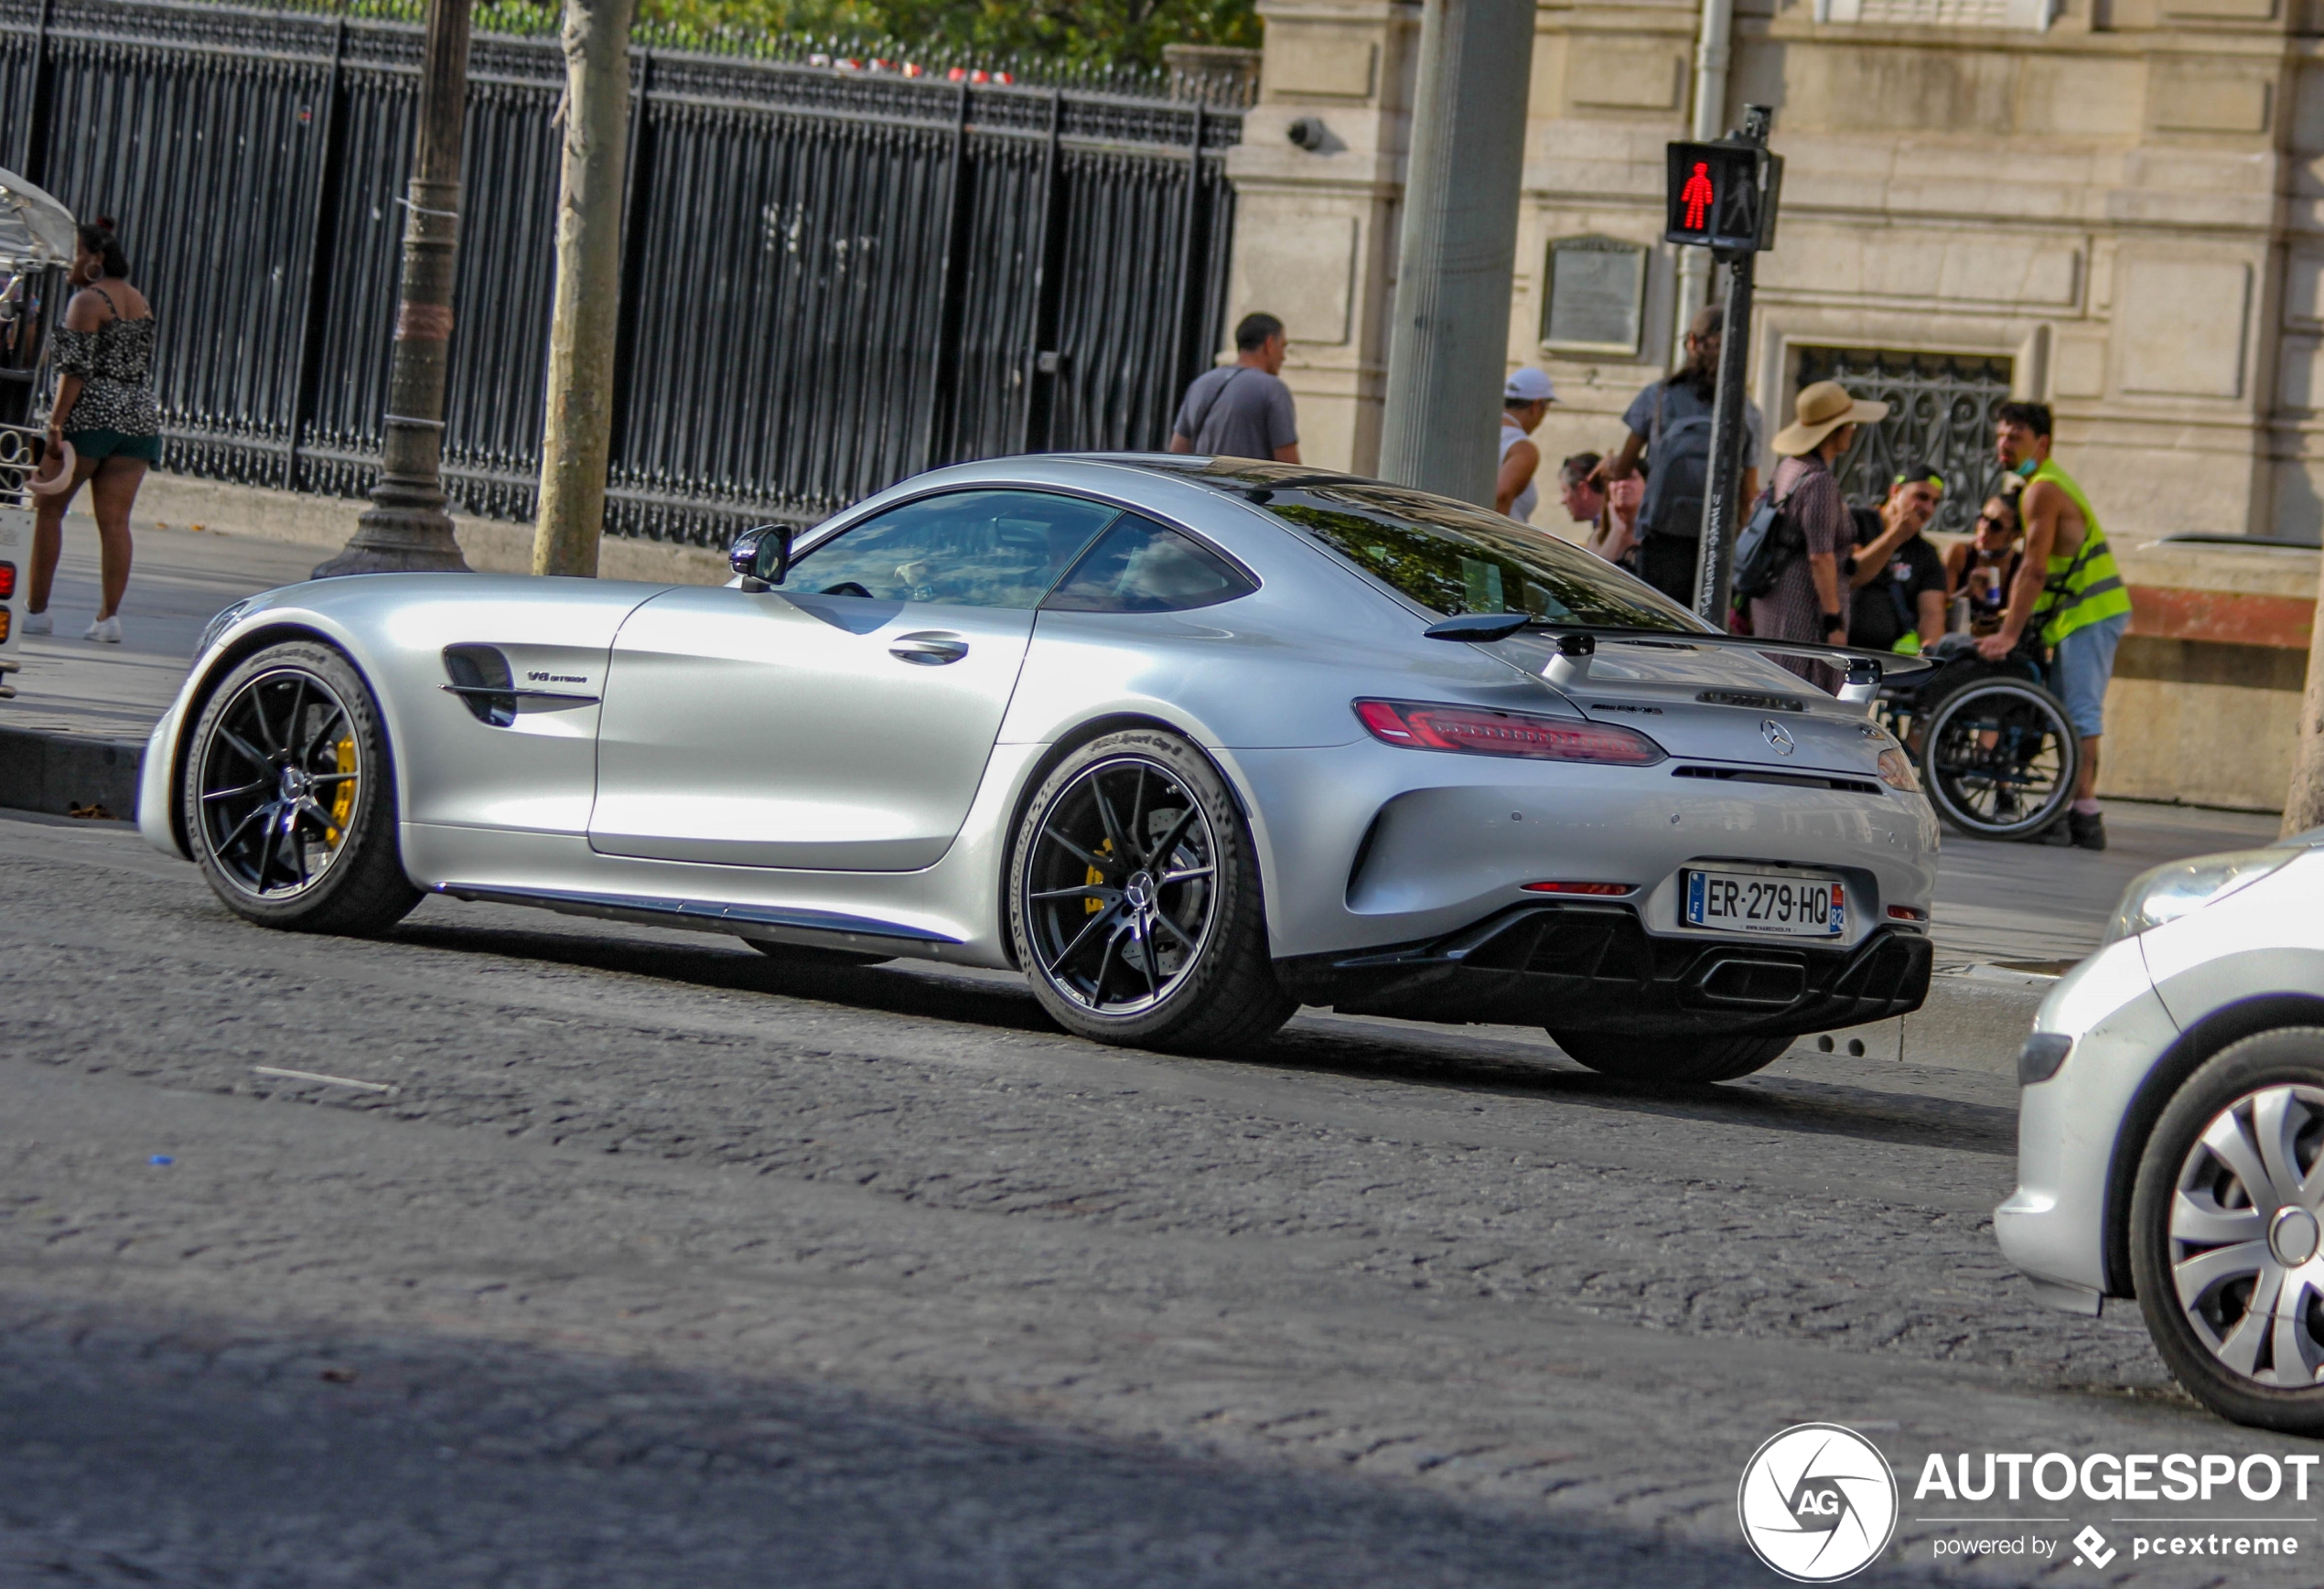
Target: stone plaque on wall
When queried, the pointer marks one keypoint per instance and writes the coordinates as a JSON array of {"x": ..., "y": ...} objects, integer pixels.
[{"x": 1594, "y": 296}]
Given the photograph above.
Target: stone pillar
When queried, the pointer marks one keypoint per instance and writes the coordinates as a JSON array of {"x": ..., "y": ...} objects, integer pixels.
[
  {"x": 1317, "y": 178},
  {"x": 1448, "y": 346}
]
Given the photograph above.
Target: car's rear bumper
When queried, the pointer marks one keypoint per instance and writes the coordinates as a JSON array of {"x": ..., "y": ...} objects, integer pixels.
[{"x": 1596, "y": 968}]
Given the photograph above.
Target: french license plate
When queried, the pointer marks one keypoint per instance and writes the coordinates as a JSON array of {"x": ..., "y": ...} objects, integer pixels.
[{"x": 1756, "y": 901}]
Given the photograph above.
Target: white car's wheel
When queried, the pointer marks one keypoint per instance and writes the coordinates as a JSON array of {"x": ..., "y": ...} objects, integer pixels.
[
  {"x": 288, "y": 797},
  {"x": 2227, "y": 1232}
]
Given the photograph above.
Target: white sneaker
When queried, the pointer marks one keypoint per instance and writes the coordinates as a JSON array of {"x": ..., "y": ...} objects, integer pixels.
[
  {"x": 39, "y": 623},
  {"x": 105, "y": 629}
]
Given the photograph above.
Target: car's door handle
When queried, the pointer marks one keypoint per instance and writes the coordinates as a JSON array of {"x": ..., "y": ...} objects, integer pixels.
[{"x": 931, "y": 648}]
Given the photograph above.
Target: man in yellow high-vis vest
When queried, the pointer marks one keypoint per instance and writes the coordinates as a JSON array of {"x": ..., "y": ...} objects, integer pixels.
[{"x": 2069, "y": 590}]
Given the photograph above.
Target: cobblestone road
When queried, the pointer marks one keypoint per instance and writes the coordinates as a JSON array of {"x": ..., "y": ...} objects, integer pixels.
[{"x": 659, "y": 1264}]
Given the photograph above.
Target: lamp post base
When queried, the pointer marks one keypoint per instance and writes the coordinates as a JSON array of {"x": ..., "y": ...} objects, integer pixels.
[{"x": 403, "y": 531}]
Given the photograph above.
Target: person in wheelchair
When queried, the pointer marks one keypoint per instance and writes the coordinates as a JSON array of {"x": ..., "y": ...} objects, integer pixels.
[{"x": 1980, "y": 571}]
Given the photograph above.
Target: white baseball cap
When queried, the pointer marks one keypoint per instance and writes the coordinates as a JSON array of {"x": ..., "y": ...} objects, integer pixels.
[{"x": 1529, "y": 385}]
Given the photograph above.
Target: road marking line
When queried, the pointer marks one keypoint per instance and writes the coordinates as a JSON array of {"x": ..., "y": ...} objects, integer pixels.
[{"x": 326, "y": 1080}]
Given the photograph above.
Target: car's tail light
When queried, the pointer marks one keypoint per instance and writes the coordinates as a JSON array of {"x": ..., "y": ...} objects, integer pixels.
[
  {"x": 7, "y": 581},
  {"x": 1603, "y": 890},
  {"x": 1907, "y": 913},
  {"x": 1479, "y": 731}
]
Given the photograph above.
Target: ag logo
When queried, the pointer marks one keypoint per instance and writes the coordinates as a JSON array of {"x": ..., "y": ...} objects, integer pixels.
[{"x": 1818, "y": 1503}]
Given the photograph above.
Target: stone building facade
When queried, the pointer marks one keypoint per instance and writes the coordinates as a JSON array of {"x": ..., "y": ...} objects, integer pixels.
[
  {"x": 2113, "y": 205},
  {"x": 2117, "y": 206}
]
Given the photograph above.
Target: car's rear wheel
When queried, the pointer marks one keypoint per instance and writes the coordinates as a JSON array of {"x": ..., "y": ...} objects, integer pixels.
[
  {"x": 1670, "y": 1059},
  {"x": 2227, "y": 1232},
  {"x": 1133, "y": 900},
  {"x": 289, "y": 796}
]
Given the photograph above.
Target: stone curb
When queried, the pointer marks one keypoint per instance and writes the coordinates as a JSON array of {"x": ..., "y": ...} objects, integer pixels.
[
  {"x": 65, "y": 774},
  {"x": 1976, "y": 1018}
]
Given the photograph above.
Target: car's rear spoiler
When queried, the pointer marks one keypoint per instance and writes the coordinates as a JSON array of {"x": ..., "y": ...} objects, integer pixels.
[{"x": 1576, "y": 643}]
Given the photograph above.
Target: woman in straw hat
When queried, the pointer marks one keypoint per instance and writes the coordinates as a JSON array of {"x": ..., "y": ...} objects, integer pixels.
[{"x": 1809, "y": 602}]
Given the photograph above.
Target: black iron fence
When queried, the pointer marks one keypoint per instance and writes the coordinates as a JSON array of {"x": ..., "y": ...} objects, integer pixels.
[{"x": 832, "y": 279}]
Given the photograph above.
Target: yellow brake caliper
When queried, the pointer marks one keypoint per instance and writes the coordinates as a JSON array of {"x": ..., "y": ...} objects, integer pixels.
[
  {"x": 343, "y": 801},
  {"x": 1096, "y": 879}
]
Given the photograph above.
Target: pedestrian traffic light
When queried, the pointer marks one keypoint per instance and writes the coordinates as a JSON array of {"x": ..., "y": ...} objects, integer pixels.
[{"x": 1722, "y": 195}]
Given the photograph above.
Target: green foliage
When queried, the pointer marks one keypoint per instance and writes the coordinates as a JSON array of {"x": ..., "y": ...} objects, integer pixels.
[{"x": 1069, "y": 34}]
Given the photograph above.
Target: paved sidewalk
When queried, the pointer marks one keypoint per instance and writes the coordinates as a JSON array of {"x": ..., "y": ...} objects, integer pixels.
[
  {"x": 2025, "y": 906},
  {"x": 178, "y": 581}
]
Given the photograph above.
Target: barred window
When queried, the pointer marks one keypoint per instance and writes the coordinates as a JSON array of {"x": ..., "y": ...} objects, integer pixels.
[{"x": 2035, "y": 14}]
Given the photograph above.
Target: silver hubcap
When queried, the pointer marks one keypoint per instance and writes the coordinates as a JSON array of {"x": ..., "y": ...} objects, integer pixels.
[{"x": 2244, "y": 1235}]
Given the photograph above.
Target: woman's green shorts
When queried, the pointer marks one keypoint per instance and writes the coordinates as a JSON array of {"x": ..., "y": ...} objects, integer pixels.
[{"x": 112, "y": 444}]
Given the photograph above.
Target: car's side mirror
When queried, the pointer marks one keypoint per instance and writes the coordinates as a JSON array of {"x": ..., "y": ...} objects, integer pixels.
[{"x": 761, "y": 556}]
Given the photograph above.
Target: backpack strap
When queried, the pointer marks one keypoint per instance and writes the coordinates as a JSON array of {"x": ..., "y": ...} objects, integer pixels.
[{"x": 1217, "y": 392}]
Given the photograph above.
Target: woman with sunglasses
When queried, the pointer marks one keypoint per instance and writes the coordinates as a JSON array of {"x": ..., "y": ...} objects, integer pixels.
[{"x": 1984, "y": 568}]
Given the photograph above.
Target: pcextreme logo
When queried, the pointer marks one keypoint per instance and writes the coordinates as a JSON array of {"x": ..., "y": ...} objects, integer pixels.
[{"x": 1818, "y": 1503}]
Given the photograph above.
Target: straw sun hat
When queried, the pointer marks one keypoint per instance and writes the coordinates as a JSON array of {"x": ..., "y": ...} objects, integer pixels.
[
  {"x": 55, "y": 474},
  {"x": 1822, "y": 409}
]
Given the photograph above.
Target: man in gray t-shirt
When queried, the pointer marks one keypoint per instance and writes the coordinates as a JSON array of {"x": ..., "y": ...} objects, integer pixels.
[{"x": 1243, "y": 410}]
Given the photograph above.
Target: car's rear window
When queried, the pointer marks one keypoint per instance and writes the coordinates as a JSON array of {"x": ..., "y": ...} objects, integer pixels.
[{"x": 1452, "y": 558}]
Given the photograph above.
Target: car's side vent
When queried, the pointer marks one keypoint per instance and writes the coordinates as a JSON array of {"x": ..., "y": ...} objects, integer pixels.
[
  {"x": 1752, "y": 699},
  {"x": 480, "y": 678},
  {"x": 1795, "y": 779}
]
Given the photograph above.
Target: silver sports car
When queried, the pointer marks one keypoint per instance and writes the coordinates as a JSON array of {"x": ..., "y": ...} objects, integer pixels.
[{"x": 1190, "y": 742}]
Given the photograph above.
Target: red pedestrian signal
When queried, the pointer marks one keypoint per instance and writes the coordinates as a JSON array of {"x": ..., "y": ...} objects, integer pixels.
[
  {"x": 1722, "y": 195},
  {"x": 1696, "y": 197}
]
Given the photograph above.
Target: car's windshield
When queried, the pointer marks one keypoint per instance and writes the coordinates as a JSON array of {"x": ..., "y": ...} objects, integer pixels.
[{"x": 1452, "y": 558}]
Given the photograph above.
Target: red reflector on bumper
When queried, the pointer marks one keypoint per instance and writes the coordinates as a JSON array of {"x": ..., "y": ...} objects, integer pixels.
[
  {"x": 1598, "y": 889},
  {"x": 1905, "y": 913}
]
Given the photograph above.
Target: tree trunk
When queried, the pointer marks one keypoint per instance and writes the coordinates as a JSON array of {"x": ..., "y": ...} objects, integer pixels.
[
  {"x": 577, "y": 436},
  {"x": 2304, "y": 802}
]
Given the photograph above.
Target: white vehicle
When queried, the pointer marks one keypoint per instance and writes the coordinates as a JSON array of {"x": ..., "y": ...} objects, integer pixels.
[{"x": 2170, "y": 1137}]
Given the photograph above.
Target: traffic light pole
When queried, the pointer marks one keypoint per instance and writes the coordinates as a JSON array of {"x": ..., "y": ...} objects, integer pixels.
[
  {"x": 1715, "y": 556},
  {"x": 1722, "y": 510}
]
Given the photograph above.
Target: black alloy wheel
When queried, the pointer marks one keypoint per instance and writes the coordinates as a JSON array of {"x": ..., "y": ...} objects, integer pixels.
[
  {"x": 288, "y": 798},
  {"x": 1671, "y": 1060},
  {"x": 1135, "y": 900},
  {"x": 1999, "y": 758}
]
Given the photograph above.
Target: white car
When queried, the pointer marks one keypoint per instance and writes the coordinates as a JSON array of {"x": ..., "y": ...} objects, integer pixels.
[{"x": 2170, "y": 1136}]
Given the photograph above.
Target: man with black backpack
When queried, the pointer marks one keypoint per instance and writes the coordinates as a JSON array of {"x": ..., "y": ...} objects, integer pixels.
[{"x": 1669, "y": 425}]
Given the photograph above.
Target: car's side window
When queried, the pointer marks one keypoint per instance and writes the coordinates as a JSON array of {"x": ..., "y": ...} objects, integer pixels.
[
  {"x": 997, "y": 549},
  {"x": 1142, "y": 566}
]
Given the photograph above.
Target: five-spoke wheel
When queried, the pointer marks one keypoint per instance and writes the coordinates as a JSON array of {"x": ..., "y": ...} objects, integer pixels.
[
  {"x": 286, "y": 799},
  {"x": 2228, "y": 1231},
  {"x": 1135, "y": 900}
]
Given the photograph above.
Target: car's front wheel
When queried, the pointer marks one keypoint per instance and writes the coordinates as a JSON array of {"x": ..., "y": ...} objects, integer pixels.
[
  {"x": 289, "y": 798},
  {"x": 2227, "y": 1232},
  {"x": 1133, "y": 900},
  {"x": 1670, "y": 1059}
]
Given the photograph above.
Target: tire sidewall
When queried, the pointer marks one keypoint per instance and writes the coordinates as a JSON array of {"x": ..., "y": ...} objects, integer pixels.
[
  {"x": 2290, "y": 1054},
  {"x": 2031, "y": 692},
  {"x": 370, "y": 826},
  {"x": 1235, "y": 880}
]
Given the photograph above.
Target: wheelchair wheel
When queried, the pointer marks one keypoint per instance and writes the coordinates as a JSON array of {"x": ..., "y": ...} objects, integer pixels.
[{"x": 1999, "y": 758}]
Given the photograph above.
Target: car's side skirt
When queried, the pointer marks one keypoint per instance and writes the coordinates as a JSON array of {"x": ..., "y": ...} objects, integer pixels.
[{"x": 812, "y": 928}]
